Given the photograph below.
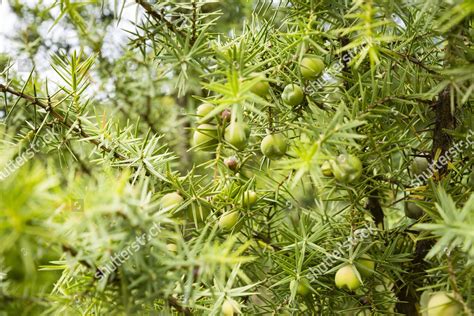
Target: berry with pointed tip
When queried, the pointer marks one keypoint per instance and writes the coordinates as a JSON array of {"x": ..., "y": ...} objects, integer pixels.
[
  {"x": 203, "y": 110},
  {"x": 346, "y": 168},
  {"x": 171, "y": 200},
  {"x": 205, "y": 137},
  {"x": 311, "y": 67},
  {"x": 273, "y": 146},
  {"x": 228, "y": 307},
  {"x": 228, "y": 220},
  {"x": 237, "y": 135},
  {"x": 249, "y": 198},
  {"x": 413, "y": 211},
  {"x": 303, "y": 288},
  {"x": 292, "y": 95},
  {"x": 365, "y": 265},
  {"x": 419, "y": 165},
  {"x": 261, "y": 87},
  {"x": 346, "y": 277},
  {"x": 443, "y": 304}
]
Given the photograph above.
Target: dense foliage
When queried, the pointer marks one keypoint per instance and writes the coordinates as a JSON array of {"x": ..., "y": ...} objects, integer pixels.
[{"x": 303, "y": 157}]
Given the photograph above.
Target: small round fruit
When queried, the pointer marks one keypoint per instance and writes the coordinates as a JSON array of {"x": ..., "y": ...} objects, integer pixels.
[
  {"x": 442, "y": 304},
  {"x": 171, "y": 200},
  {"x": 292, "y": 95},
  {"x": 228, "y": 220},
  {"x": 311, "y": 67},
  {"x": 419, "y": 165},
  {"x": 232, "y": 163},
  {"x": 237, "y": 135},
  {"x": 205, "y": 137},
  {"x": 413, "y": 211},
  {"x": 226, "y": 115},
  {"x": 261, "y": 87},
  {"x": 346, "y": 277},
  {"x": 365, "y": 265},
  {"x": 326, "y": 169},
  {"x": 273, "y": 146},
  {"x": 303, "y": 288},
  {"x": 204, "y": 109},
  {"x": 346, "y": 168},
  {"x": 228, "y": 307},
  {"x": 249, "y": 198}
]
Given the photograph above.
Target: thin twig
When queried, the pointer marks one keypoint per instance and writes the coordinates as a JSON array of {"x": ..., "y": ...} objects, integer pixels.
[
  {"x": 62, "y": 120},
  {"x": 175, "y": 304},
  {"x": 397, "y": 97},
  {"x": 59, "y": 117},
  {"x": 194, "y": 36},
  {"x": 416, "y": 62},
  {"x": 159, "y": 17}
]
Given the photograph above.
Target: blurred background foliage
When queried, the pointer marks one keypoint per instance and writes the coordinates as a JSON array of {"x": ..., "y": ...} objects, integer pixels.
[{"x": 118, "y": 84}]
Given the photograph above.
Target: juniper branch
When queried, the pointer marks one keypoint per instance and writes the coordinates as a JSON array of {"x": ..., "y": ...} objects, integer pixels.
[
  {"x": 68, "y": 124},
  {"x": 59, "y": 117},
  {"x": 159, "y": 17}
]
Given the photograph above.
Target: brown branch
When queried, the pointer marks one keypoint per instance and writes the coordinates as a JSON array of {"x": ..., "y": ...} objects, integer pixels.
[
  {"x": 59, "y": 117},
  {"x": 375, "y": 209},
  {"x": 84, "y": 167},
  {"x": 159, "y": 17},
  {"x": 416, "y": 62},
  {"x": 419, "y": 64},
  {"x": 173, "y": 302},
  {"x": 73, "y": 253},
  {"x": 442, "y": 141},
  {"x": 394, "y": 98},
  {"x": 194, "y": 20},
  {"x": 63, "y": 121},
  {"x": 444, "y": 121},
  {"x": 146, "y": 115},
  {"x": 406, "y": 293}
]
